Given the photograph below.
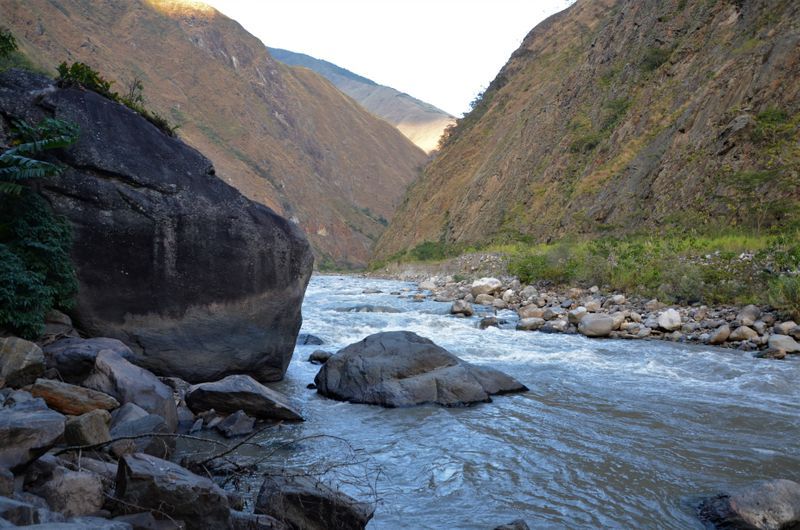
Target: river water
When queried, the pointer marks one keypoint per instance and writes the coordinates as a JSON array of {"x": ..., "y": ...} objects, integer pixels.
[{"x": 612, "y": 434}]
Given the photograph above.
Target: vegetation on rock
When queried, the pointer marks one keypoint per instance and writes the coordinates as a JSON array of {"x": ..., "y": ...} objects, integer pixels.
[{"x": 36, "y": 273}]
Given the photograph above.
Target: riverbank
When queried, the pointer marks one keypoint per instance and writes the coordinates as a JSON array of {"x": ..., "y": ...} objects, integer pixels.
[{"x": 594, "y": 312}]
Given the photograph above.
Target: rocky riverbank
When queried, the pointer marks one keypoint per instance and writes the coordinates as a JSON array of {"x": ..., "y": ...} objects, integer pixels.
[
  {"x": 90, "y": 440},
  {"x": 599, "y": 314}
]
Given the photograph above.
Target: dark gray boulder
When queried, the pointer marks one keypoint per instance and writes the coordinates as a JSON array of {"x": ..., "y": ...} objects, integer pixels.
[
  {"x": 304, "y": 503},
  {"x": 237, "y": 424},
  {"x": 766, "y": 505},
  {"x": 137, "y": 440},
  {"x": 200, "y": 281},
  {"x": 129, "y": 383},
  {"x": 517, "y": 524},
  {"x": 241, "y": 392},
  {"x": 319, "y": 357},
  {"x": 401, "y": 369},
  {"x": 74, "y": 357},
  {"x": 150, "y": 483},
  {"x": 254, "y": 521},
  {"x": 27, "y": 430}
]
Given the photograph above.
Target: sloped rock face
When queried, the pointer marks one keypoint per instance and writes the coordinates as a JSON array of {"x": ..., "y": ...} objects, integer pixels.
[
  {"x": 402, "y": 369},
  {"x": 200, "y": 281}
]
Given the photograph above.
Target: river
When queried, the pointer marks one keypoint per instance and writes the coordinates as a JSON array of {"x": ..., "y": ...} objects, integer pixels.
[{"x": 612, "y": 434}]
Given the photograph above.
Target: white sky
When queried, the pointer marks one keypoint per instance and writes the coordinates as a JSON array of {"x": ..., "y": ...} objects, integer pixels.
[{"x": 440, "y": 51}]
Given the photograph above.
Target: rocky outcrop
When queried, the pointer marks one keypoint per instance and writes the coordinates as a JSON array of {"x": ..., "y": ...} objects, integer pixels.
[
  {"x": 767, "y": 505},
  {"x": 304, "y": 503},
  {"x": 199, "y": 280},
  {"x": 147, "y": 482},
  {"x": 401, "y": 369},
  {"x": 240, "y": 392}
]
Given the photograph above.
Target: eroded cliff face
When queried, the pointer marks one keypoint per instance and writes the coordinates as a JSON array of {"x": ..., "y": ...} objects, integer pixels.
[
  {"x": 284, "y": 137},
  {"x": 198, "y": 280},
  {"x": 617, "y": 116}
]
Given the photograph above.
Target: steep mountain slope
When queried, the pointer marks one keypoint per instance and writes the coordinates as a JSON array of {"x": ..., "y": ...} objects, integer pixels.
[
  {"x": 421, "y": 122},
  {"x": 616, "y": 116},
  {"x": 283, "y": 136}
]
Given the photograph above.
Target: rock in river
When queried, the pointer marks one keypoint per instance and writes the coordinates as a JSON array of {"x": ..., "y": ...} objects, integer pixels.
[
  {"x": 200, "y": 281},
  {"x": 400, "y": 369},
  {"x": 241, "y": 392},
  {"x": 767, "y": 505}
]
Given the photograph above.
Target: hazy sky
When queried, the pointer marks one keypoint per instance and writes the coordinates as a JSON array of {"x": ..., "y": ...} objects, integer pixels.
[{"x": 441, "y": 51}]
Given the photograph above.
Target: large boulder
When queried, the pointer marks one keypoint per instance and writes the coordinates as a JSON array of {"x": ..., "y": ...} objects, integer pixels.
[
  {"x": 199, "y": 280},
  {"x": 241, "y": 392},
  {"x": 304, "y": 503},
  {"x": 21, "y": 362},
  {"x": 129, "y": 383},
  {"x": 71, "y": 399},
  {"x": 785, "y": 343},
  {"x": 27, "y": 430},
  {"x": 767, "y": 505},
  {"x": 485, "y": 286},
  {"x": 400, "y": 369},
  {"x": 74, "y": 358},
  {"x": 669, "y": 320},
  {"x": 151, "y": 483}
]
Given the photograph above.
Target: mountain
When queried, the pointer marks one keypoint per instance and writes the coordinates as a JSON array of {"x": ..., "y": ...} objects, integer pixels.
[
  {"x": 421, "y": 122},
  {"x": 283, "y": 136},
  {"x": 623, "y": 116}
]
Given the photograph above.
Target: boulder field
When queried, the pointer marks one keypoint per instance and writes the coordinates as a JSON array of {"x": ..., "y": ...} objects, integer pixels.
[{"x": 198, "y": 280}]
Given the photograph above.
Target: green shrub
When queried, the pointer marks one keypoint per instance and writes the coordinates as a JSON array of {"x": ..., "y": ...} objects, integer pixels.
[
  {"x": 784, "y": 294},
  {"x": 8, "y": 44},
  {"x": 429, "y": 251},
  {"x": 654, "y": 57},
  {"x": 36, "y": 273},
  {"x": 586, "y": 143}
]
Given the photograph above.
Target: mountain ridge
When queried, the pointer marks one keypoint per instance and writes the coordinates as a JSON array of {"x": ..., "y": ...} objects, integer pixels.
[{"x": 420, "y": 122}]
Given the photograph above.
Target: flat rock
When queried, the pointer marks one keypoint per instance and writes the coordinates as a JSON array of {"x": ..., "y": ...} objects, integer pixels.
[
  {"x": 767, "y": 505},
  {"x": 596, "y": 325},
  {"x": 27, "y": 430},
  {"x": 71, "y": 399},
  {"x": 241, "y": 392},
  {"x": 21, "y": 362},
  {"x": 129, "y": 383},
  {"x": 151, "y": 483},
  {"x": 74, "y": 358},
  {"x": 305, "y": 503},
  {"x": 400, "y": 369}
]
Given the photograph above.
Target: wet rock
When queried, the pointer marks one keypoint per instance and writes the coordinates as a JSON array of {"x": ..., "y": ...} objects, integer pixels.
[
  {"x": 71, "y": 399},
  {"x": 154, "y": 484},
  {"x": 237, "y": 424},
  {"x": 530, "y": 324},
  {"x": 596, "y": 325},
  {"x": 555, "y": 326},
  {"x": 400, "y": 368},
  {"x": 518, "y": 524},
  {"x": 319, "y": 357},
  {"x": 74, "y": 358},
  {"x": 767, "y": 505},
  {"x": 485, "y": 286},
  {"x": 742, "y": 333},
  {"x": 88, "y": 429},
  {"x": 720, "y": 335},
  {"x": 462, "y": 307},
  {"x": 305, "y": 503},
  {"x": 139, "y": 440},
  {"x": 488, "y": 322},
  {"x": 6, "y": 482},
  {"x": 27, "y": 430},
  {"x": 785, "y": 343},
  {"x": 305, "y": 339},
  {"x": 129, "y": 383},
  {"x": 770, "y": 353},
  {"x": 669, "y": 320},
  {"x": 242, "y": 392},
  {"x": 367, "y": 308},
  {"x": 21, "y": 362},
  {"x": 748, "y": 315},
  {"x": 254, "y": 521}
]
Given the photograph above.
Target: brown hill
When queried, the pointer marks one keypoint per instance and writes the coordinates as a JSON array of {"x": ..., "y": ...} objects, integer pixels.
[
  {"x": 617, "y": 116},
  {"x": 421, "y": 122},
  {"x": 285, "y": 137}
]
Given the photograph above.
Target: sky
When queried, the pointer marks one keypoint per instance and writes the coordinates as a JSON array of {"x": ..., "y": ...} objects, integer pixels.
[{"x": 443, "y": 52}]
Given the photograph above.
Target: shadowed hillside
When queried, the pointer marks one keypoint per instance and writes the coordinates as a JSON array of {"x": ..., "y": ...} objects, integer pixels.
[{"x": 285, "y": 137}]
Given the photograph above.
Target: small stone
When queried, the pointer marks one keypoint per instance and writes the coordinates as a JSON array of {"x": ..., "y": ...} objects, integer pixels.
[
  {"x": 743, "y": 333},
  {"x": 575, "y": 315},
  {"x": 462, "y": 307},
  {"x": 237, "y": 424},
  {"x": 489, "y": 322},
  {"x": 669, "y": 320},
  {"x": 720, "y": 335},
  {"x": 6, "y": 482},
  {"x": 530, "y": 311},
  {"x": 552, "y": 313},
  {"x": 88, "y": 429},
  {"x": 530, "y": 324},
  {"x": 21, "y": 362},
  {"x": 517, "y": 524},
  {"x": 618, "y": 299},
  {"x": 771, "y": 353},
  {"x": 555, "y": 326},
  {"x": 319, "y": 356},
  {"x": 654, "y": 305},
  {"x": 484, "y": 299},
  {"x": 593, "y": 306}
]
